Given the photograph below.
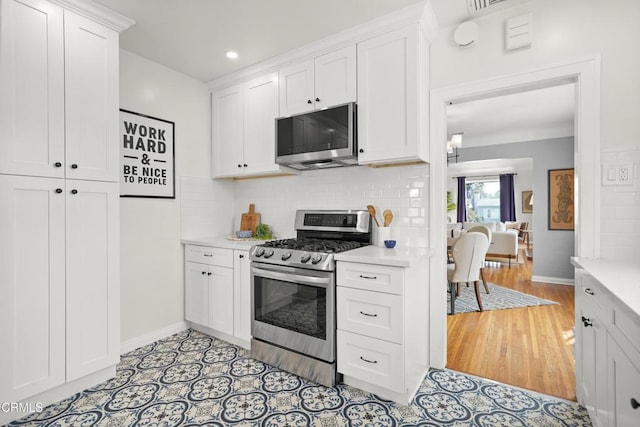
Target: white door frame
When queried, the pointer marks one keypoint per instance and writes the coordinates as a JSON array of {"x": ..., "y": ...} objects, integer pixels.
[{"x": 585, "y": 73}]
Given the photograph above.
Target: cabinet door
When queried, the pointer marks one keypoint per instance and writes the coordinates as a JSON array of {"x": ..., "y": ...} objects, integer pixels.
[
  {"x": 91, "y": 100},
  {"x": 32, "y": 88},
  {"x": 242, "y": 308},
  {"x": 335, "y": 78},
  {"x": 196, "y": 308},
  {"x": 260, "y": 112},
  {"x": 296, "y": 88},
  {"x": 228, "y": 135},
  {"x": 388, "y": 96},
  {"x": 221, "y": 299},
  {"x": 591, "y": 366},
  {"x": 32, "y": 312},
  {"x": 93, "y": 276},
  {"x": 624, "y": 386}
]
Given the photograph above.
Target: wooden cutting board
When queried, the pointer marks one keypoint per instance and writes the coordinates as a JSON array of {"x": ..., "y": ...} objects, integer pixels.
[{"x": 250, "y": 220}]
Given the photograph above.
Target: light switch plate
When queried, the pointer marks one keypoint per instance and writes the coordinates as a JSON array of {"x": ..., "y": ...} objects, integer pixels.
[{"x": 617, "y": 174}]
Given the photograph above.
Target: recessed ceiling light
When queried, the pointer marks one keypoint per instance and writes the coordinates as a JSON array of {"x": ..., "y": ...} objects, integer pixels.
[{"x": 231, "y": 54}]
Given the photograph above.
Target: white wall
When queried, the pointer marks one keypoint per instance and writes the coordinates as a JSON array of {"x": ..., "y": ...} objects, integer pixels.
[
  {"x": 564, "y": 31},
  {"x": 151, "y": 285}
]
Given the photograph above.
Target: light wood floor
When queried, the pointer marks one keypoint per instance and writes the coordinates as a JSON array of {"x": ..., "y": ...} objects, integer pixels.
[{"x": 530, "y": 347}]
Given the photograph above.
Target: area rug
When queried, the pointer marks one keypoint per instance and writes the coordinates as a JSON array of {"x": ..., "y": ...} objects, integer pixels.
[{"x": 498, "y": 298}]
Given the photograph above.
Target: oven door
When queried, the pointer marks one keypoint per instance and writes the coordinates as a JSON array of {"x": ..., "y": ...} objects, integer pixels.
[{"x": 294, "y": 308}]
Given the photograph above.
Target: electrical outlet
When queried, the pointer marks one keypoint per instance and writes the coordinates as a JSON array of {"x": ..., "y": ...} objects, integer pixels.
[{"x": 617, "y": 174}]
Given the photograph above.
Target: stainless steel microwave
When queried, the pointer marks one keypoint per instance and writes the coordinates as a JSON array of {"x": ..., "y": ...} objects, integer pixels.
[{"x": 318, "y": 139}]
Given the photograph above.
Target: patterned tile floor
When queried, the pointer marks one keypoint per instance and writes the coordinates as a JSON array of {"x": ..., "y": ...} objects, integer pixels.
[{"x": 191, "y": 379}]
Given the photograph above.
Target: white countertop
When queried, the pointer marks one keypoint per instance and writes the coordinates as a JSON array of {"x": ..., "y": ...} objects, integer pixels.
[
  {"x": 396, "y": 257},
  {"x": 222, "y": 242},
  {"x": 621, "y": 278}
]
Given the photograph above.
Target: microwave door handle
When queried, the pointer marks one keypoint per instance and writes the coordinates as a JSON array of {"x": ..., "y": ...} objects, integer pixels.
[{"x": 289, "y": 277}]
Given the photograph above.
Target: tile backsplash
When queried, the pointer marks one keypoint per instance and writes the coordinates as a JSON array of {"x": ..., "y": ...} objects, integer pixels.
[
  {"x": 403, "y": 189},
  {"x": 620, "y": 214}
]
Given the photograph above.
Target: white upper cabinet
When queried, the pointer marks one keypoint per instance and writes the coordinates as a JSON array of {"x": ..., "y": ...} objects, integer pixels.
[
  {"x": 59, "y": 72},
  {"x": 91, "y": 100},
  {"x": 324, "y": 81},
  {"x": 32, "y": 88},
  {"x": 228, "y": 132},
  {"x": 392, "y": 97},
  {"x": 244, "y": 129}
]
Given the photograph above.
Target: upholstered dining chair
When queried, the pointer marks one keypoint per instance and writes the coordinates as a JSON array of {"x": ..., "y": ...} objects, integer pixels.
[
  {"x": 468, "y": 254},
  {"x": 487, "y": 232}
]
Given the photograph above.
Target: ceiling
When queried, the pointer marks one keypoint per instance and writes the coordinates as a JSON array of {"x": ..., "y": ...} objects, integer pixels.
[{"x": 192, "y": 37}]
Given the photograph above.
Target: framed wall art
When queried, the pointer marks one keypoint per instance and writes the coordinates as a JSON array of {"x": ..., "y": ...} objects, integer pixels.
[
  {"x": 147, "y": 163},
  {"x": 527, "y": 202},
  {"x": 561, "y": 206}
]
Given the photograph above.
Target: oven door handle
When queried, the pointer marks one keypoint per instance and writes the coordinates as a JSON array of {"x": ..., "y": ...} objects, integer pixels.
[{"x": 290, "y": 277}]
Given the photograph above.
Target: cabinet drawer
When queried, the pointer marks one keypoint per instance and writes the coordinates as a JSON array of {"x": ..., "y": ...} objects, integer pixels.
[
  {"x": 370, "y": 277},
  {"x": 627, "y": 324},
  {"x": 373, "y": 314},
  {"x": 209, "y": 255},
  {"x": 371, "y": 360}
]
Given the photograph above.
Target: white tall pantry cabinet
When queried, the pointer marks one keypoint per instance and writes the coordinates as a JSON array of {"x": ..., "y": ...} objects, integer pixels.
[{"x": 59, "y": 192}]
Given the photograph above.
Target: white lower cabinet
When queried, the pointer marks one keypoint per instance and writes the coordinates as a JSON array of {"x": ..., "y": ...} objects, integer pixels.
[
  {"x": 59, "y": 299},
  {"x": 377, "y": 305},
  {"x": 217, "y": 292},
  {"x": 607, "y": 355}
]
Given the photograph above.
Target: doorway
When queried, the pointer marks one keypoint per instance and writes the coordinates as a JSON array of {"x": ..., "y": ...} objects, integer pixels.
[{"x": 584, "y": 74}]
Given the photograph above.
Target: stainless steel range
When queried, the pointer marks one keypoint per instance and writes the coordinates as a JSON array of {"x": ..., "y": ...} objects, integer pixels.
[{"x": 293, "y": 292}]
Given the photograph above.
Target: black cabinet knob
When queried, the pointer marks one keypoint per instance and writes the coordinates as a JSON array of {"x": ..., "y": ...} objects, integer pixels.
[
  {"x": 589, "y": 291},
  {"x": 57, "y": 164},
  {"x": 204, "y": 272},
  {"x": 634, "y": 403},
  {"x": 309, "y": 101},
  {"x": 361, "y": 150},
  {"x": 240, "y": 256},
  {"x": 586, "y": 322},
  {"x": 209, "y": 274},
  {"x": 74, "y": 191},
  {"x": 239, "y": 166},
  {"x": 245, "y": 165},
  {"x": 74, "y": 166},
  {"x": 317, "y": 99},
  {"x": 58, "y": 190}
]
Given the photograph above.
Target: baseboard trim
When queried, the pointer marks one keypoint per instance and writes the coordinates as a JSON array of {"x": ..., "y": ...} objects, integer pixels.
[
  {"x": 153, "y": 336},
  {"x": 554, "y": 280}
]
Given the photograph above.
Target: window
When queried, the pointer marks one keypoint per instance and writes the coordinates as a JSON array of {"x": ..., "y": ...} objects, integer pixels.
[{"x": 483, "y": 200}]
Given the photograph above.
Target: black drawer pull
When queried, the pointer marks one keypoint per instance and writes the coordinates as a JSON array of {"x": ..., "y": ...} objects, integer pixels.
[
  {"x": 74, "y": 191},
  {"x": 74, "y": 166},
  {"x": 586, "y": 322},
  {"x": 367, "y": 314},
  {"x": 58, "y": 190},
  {"x": 209, "y": 255},
  {"x": 240, "y": 256},
  {"x": 589, "y": 291},
  {"x": 634, "y": 403},
  {"x": 369, "y": 277},
  {"x": 57, "y": 164},
  {"x": 209, "y": 274},
  {"x": 204, "y": 272},
  {"x": 368, "y": 361}
]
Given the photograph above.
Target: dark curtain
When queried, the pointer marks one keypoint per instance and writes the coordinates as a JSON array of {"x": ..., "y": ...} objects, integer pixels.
[
  {"x": 462, "y": 200},
  {"x": 507, "y": 198}
]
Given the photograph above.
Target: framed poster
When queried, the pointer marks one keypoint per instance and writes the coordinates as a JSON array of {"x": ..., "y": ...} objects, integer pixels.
[
  {"x": 146, "y": 156},
  {"x": 527, "y": 202},
  {"x": 561, "y": 209}
]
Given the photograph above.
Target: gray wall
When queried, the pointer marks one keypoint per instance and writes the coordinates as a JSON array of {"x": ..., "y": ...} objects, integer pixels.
[{"x": 553, "y": 248}]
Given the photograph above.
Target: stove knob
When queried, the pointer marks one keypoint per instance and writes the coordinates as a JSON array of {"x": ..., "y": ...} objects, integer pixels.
[
  {"x": 259, "y": 252},
  {"x": 286, "y": 255},
  {"x": 316, "y": 258},
  {"x": 268, "y": 253},
  {"x": 305, "y": 257}
]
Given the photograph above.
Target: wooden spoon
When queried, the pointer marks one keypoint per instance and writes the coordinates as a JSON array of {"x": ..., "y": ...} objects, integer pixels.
[
  {"x": 388, "y": 217},
  {"x": 372, "y": 212}
]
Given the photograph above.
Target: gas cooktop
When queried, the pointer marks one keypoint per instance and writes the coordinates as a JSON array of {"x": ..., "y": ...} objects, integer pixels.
[{"x": 321, "y": 234}]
